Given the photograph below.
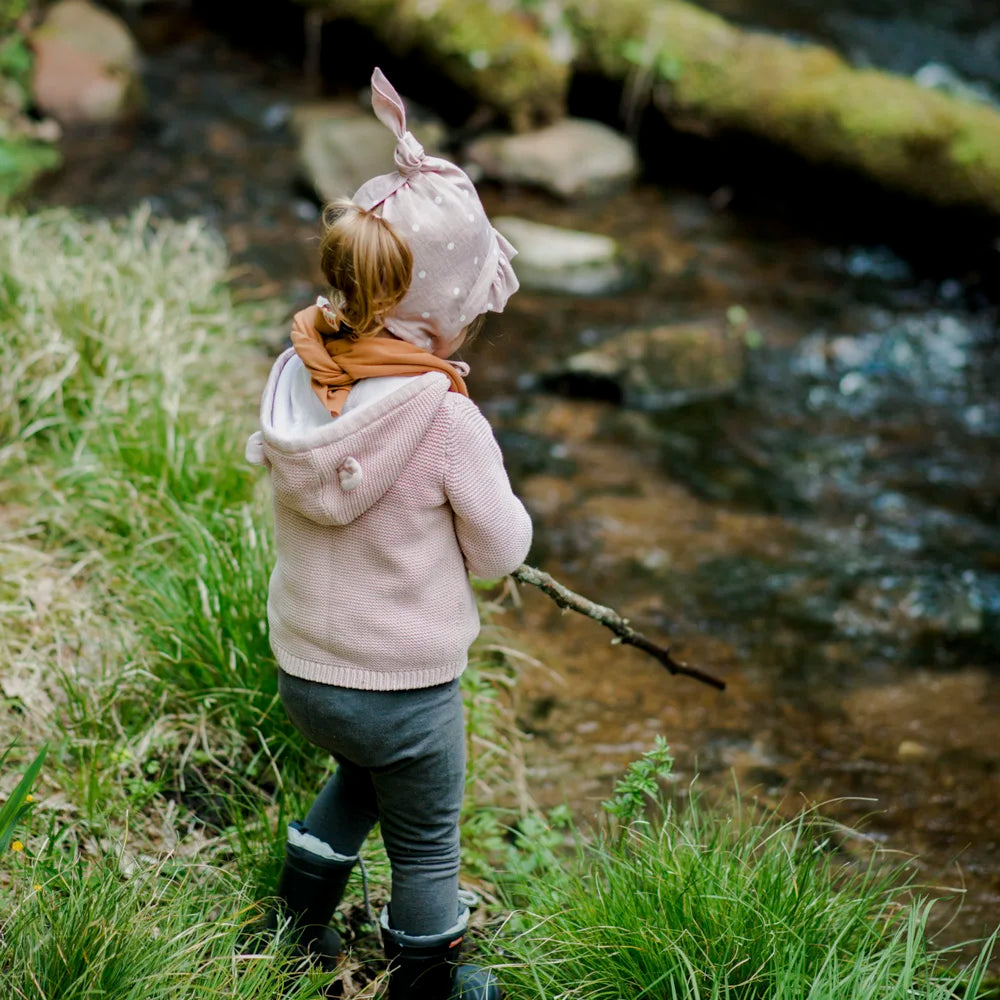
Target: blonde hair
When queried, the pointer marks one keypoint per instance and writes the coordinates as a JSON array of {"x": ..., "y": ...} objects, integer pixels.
[
  {"x": 368, "y": 265},
  {"x": 474, "y": 328}
]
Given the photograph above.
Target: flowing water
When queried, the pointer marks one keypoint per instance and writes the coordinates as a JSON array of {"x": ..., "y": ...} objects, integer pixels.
[{"x": 826, "y": 538}]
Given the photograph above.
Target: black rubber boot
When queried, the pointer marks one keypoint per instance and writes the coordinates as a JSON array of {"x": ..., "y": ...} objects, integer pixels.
[
  {"x": 426, "y": 967},
  {"x": 310, "y": 888}
]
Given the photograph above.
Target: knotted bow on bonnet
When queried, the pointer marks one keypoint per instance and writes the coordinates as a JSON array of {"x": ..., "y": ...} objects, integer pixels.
[{"x": 461, "y": 264}]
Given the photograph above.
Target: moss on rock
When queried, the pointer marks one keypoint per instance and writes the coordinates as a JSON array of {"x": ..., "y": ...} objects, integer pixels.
[
  {"x": 495, "y": 55},
  {"x": 703, "y": 70}
]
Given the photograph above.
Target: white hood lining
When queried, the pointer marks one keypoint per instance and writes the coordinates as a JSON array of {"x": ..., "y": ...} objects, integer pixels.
[{"x": 293, "y": 417}]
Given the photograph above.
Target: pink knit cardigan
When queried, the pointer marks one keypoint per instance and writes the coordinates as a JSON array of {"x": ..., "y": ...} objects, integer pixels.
[{"x": 380, "y": 517}]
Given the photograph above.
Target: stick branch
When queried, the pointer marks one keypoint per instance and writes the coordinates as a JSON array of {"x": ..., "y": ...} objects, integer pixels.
[{"x": 610, "y": 619}]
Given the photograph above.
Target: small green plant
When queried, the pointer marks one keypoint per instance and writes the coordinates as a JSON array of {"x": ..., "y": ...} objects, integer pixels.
[
  {"x": 15, "y": 58},
  {"x": 11, "y": 11},
  {"x": 21, "y": 160},
  {"x": 640, "y": 785},
  {"x": 15, "y": 64},
  {"x": 19, "y": 802}
]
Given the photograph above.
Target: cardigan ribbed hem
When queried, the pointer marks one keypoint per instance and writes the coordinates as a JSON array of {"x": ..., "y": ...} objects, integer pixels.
[{"x": 368, "y": 678}]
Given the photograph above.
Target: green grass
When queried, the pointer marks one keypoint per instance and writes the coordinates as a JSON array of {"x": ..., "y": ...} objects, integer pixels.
[
  {"x": 119, "y": 341},
  {"x": 700, "y": 903},
  {"x": 136, "y": 551},
  {"x": 167, "y": 931}
]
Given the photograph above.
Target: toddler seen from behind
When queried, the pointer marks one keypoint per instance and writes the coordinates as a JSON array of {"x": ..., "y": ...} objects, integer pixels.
[{"x": 389, "y": 491}]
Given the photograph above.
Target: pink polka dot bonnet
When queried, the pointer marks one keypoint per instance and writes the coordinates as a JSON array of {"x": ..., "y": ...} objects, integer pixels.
[{"x": 461, "y": 264}]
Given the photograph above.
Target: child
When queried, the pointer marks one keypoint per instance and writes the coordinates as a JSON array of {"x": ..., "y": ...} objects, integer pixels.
[{"x": 389, "y": 489}]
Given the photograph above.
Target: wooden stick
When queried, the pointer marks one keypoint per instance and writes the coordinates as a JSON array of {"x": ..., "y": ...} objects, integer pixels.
[{"x": 610, "y": 619}]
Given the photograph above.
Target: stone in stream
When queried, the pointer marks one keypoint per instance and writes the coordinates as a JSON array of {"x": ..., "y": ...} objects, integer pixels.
[
  {"x": 573, "y": 158},
  {"x": 928, "y": 610},
  {"x": 658, "y": 367},
  {"x": 552, "y": 259},
  {"x": 909, "y": 750},
  {"x": 341, "y": 146},
  {"x": 86, "y": 64}
]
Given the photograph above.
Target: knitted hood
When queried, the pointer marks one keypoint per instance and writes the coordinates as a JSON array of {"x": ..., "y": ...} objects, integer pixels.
[{"x": 332, "y": 471}]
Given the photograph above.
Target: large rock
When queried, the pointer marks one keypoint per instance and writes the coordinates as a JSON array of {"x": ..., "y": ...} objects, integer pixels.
[
  {"x": 656, "y": 368},
  {"x": 86, "y": 64},
  {"x": 552, "y": 259},
  {"x": 574, "y": 158},
  {"x": 341, "y": 146}
]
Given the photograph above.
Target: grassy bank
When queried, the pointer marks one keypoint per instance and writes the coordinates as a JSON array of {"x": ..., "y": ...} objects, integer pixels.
[
  {"x": 156, "y": 807},
  {"x": 135, "y": 551},
  {"x": 136, "y": 554}
]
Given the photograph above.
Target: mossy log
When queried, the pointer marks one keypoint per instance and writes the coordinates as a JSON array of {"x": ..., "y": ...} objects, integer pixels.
[
  {"x": 497, "y": 57},
  {"x": 708, "y": 75}
]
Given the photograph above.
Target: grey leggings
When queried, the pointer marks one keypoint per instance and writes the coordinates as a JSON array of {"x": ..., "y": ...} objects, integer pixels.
[{"x": 401, "y": 763}]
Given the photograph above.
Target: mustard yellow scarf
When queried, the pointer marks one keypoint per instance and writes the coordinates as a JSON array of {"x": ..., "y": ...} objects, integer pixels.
[{"x": 336, "y": 363}]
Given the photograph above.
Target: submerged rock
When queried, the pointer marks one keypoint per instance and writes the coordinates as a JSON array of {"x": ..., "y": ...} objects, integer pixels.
[
  {"x": 552, "y": 259},
  {"x": 341, "y": 146},
  {"x": 573, "y": 158},
  {"x": 912, "y": 750},
  {"x": 929, "y": 612},
  {"x": 86, "y": 64},
  {"x": 660, "y": 367}
]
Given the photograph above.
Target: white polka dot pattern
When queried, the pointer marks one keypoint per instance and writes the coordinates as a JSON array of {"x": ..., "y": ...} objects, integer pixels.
[{"x": 435, "y": 204}]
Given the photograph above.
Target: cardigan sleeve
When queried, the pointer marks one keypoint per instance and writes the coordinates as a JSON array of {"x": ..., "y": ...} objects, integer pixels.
[{"x": 492, "y": 526}]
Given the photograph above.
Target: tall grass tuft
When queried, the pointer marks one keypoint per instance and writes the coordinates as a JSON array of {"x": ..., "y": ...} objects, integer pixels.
[
  {"x": 102, "y": 321},
  {"x": 167, "y": 931},
  {"x": 703, "y": 904},
  {"x": 18, "y": 803},
  {"x": 119, "y": 354},
  {"x": 204, "y": 610},
  {"x": 128, "y": 382}
]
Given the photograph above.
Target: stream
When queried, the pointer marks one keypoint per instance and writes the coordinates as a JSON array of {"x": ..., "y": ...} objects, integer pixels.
[{"x": 826, "y": 538}]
